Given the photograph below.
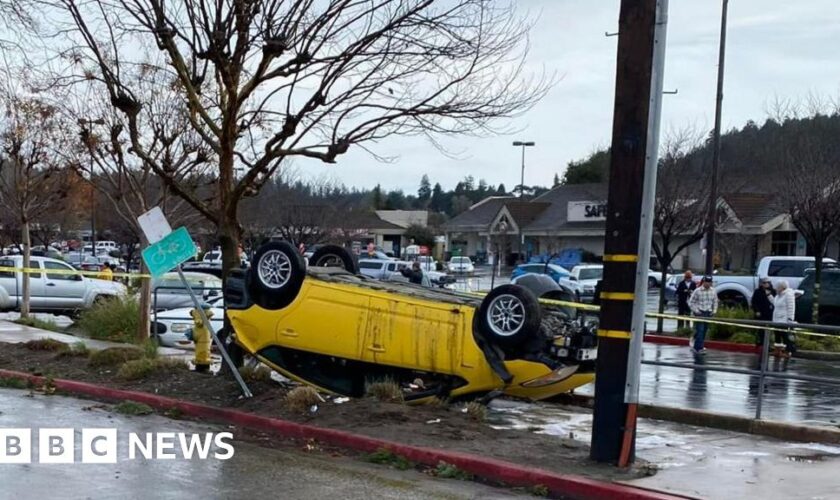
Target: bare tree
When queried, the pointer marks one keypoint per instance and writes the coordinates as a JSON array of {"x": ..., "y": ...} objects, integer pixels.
[
  {"x": 29, "y": 181},
  {"x": 680, "y": 207},
  {"x": 130, "y": 184},
  {"x": 811, "y": 192},
  {"x": 268, "y": 81}
]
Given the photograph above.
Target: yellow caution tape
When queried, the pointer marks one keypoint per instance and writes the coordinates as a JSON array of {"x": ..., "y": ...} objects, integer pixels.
[
  {"x": 95, "y": 274},
  {"x": 711, "y": 321}
]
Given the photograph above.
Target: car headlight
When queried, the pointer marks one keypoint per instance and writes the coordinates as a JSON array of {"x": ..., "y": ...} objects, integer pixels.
[{"x": 180, "y": 327}]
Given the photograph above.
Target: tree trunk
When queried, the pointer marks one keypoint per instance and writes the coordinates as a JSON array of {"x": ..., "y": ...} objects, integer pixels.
[
  {"x": 818, "y": 265},
  {"x": 229, "y": 238},
  {"x": 27, "y": 253},
  {"x": 660, "y": 320}
]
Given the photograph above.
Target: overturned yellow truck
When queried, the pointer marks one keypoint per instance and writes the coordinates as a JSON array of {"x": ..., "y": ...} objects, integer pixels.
[{"x": 323, "y": 325}]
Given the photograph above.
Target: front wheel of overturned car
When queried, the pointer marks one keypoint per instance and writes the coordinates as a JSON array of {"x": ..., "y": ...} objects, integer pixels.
[
  {"x": 334, "y": 256},
  {"x": 509, "y": 315},
  {"x": 276, "y": 275}
]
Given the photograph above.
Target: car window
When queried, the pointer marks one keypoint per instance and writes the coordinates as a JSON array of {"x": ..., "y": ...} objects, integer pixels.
[
  {"x": 370, "y": 265},
  {"x": 788, "y": 268},
  {"x": 392, "y": 267},
  {"x": 61, "y": 267},
  {"x": 591, "y": 274},
  {"x": 7, "y": 274}
]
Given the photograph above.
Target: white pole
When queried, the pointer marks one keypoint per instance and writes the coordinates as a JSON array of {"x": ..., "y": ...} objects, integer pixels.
[{"x": 631, "y": 393}]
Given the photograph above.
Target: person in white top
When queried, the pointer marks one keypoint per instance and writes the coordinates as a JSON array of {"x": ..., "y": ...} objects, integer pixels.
[{"x": 784, "y": 311}]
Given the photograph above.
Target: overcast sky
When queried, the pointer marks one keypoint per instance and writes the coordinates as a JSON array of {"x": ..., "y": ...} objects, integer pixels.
[{"x": 774, "y": 47}]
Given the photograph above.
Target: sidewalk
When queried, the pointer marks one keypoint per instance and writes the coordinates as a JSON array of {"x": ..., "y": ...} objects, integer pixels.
[
  {"x": 14, "y": 333},
  {"x": 698, "y": 461}
]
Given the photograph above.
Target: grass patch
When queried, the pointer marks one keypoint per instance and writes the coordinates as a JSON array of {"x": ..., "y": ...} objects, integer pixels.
[
  {"x": 384, "y": 456},
  {"x": 149, "y": 348},
  {"x": 476, "y": 411},
  {"x": 115, "y": 320},
  {"x": 539, "y": 490},
  {"x": 45, "y": 345},
  {"x": 743, "y": 338},
  {"x": 449, "y": 471},
  {"x": 77, "y": 349},
  {"x": 42, "y": 324},
  {"x": 386, "y": 391},
  {"x": 14, "y": 383},
  {"x": 684, "y": 332},
  {"x": 301, "y": 399},
  {"x": 114, "y": 356},
  {"x": 132, "y": 408},
  {"x": 725, "y": 332},
  {"x": 138, "y": 369},
  {"x": 255, "y": 373}
]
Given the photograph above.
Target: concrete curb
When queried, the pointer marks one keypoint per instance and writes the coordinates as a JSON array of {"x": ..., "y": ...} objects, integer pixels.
[
  {"x": 735, "y": 423},
  {"x": 721, "y": 345},
  {"x": 569, "y": 486}
]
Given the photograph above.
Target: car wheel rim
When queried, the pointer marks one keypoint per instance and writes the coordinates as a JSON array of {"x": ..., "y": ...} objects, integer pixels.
[
  {"x": 506, "y": 315},
  {"x": 330, "y": 260},
  {"x": 274, "y": 269}
]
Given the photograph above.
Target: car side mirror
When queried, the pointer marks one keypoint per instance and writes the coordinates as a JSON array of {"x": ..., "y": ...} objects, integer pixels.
[{"x": 78, "y": 277}]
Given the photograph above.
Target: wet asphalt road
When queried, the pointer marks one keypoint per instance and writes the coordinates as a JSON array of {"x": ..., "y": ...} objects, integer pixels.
[
  {"x": 253, "y": 472},
  {"x": 785, "y": 400}
]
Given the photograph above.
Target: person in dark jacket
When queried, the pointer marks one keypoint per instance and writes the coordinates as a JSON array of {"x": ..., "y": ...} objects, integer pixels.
[
  {"x": 762, "y": 306},
  {"x": 684, "y": 290},
  {"x": 415, "y": 274}
]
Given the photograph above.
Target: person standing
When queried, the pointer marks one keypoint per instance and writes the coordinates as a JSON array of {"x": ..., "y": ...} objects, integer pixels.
[
  {"x": 106, "y": 273},
  {"x": 762, "y": 306},
  {"x": 684, "y": 290},
  {"x": 704, "y": 304},
  {"x": 784, "y": 311}
]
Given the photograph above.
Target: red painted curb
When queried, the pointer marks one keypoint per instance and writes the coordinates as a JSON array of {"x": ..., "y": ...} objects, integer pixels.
[
  {"x": 496, "y": 470},
  {"x": 717, "y": 345}
]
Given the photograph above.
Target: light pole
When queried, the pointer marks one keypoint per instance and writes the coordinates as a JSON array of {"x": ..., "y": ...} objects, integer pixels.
[
  {"x": 710, "y": 232},
  {"x": 523, "y": 145}
]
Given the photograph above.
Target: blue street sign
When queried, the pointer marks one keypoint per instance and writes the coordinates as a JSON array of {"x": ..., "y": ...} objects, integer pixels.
[{"x": 175, "y": 248}]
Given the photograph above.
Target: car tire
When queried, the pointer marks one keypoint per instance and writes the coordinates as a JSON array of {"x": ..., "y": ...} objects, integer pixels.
[
  {"x": 509, "y": 315},
  {"x": 334, "y": 256},
  {"x": 277, "y": 272}
]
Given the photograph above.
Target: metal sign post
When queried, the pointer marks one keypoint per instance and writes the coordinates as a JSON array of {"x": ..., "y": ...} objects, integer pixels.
[{"x": 245, "y": 391}]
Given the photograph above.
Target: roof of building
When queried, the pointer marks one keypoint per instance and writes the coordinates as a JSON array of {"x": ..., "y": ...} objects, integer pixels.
[
  {"x": 554, "y": 217},
  {"x": 752, "y": 209},
  {"x": 404, "y": 218},
  {"x": 524, "y": 212},
  {"x": 478, "y": 216},
  {"x": 364, "y": 219}
]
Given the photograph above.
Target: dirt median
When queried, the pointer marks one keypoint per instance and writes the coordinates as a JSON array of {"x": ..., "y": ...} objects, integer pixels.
[{"x": 442, "y": 427}]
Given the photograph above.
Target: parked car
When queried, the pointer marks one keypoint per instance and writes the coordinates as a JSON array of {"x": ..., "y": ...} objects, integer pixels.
[
  {"x": 558, "y": 273},
  {"x": 168, "y": 292},
  {"x": 829, "y": 313},
  {"x": 587, "y": 276},
  {"x": 58, "y": 291},
  {"x": 170, "y": 326},
  {"x": 460, "y": 265},
  {"x": 198, "y": 266},
  {"x": 738, "y": 290},
  {"x": 337, "y": 331},
  {"x": 381, "y": 269},
  {"x": 427, "y": 263},
  {"x": 77, "y": 259}
]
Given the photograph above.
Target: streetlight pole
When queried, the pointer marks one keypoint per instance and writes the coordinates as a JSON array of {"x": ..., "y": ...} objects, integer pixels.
[
  {"x": 523, "y": 145},
  {"x": 713, "y": 195},
  {"x": 85, "y": 124}
]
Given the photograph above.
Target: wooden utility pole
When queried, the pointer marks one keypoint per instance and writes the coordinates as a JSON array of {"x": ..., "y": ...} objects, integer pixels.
[{"x": 637, "y": 21}]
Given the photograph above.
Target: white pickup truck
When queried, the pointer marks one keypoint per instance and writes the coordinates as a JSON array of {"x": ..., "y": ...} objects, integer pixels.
[
  {"x": 738, "y": 290},
  {"x": 52, "y": 292}
]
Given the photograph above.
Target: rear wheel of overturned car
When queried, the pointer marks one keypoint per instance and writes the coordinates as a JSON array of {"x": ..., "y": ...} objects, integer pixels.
[
  {"x": 276, "y": 275},
  {"x": 334, "y": 256},
  {"x": 509, "y": 315}
]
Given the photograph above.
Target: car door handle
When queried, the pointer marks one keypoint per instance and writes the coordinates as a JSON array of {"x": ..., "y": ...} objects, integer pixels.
[
  {"x": 376, "y": 348},
  {"x": 50, "y": 284}
]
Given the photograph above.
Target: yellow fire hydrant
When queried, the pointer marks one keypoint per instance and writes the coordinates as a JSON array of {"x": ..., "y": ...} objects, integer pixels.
[{"x": 201, "y": 337}]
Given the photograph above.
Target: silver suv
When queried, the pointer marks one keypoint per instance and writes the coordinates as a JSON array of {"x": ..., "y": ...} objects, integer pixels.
[{"x": 57, "y": 291}]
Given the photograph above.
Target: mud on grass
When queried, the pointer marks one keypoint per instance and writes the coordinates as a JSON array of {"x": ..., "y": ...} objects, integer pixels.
[{"x": 434, "y": 426}]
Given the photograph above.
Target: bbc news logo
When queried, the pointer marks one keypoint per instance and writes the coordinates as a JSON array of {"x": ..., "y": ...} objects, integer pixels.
[{"x": 102, "y": 446}]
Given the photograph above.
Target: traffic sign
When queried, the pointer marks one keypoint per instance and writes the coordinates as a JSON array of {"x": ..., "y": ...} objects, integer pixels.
[{"x": 174, "y": 249}]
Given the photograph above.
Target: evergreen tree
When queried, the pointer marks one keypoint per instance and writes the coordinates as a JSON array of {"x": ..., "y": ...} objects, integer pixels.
[
  {"x": 556, "y": 180},
  {"x": 377, "y": 198},
  {"x": 425, "y": 190},
  {"x": 436, "y": 202},
  {"x": 501, "y": 191}
]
